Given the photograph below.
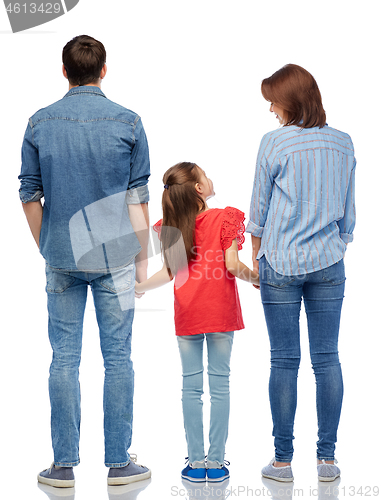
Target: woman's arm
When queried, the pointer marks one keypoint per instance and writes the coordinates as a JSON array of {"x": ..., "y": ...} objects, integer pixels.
[
  {"x": 256, "y": 244},
  {"x": 155, "y": 281},
  {"x": 238, "y": 268}
]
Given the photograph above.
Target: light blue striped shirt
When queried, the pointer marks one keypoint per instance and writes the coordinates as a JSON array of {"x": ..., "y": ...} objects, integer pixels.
[{"x": 303, "y": 201}]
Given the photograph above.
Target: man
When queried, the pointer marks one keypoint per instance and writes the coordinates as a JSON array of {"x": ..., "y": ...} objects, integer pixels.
[{"x": 88, "y": 157}]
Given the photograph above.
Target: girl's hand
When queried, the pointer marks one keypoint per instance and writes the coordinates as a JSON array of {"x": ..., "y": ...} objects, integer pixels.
[
  {"x": 256, "y": 282},
  {"x": 138, "y": 294}
]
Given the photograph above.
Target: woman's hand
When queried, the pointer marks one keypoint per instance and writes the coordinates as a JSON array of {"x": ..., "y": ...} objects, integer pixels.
[{"x": 256, "y": 244}]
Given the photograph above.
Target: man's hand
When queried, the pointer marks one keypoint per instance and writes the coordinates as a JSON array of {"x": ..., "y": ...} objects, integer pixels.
[{"x": 33, "y": 211}]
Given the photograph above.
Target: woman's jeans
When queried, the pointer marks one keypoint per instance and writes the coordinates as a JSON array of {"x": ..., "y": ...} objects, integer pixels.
[
  {"x": 191, "y": 352},
  {"x": 113, "y": 296},
  {"x": 322, "y": 293}
]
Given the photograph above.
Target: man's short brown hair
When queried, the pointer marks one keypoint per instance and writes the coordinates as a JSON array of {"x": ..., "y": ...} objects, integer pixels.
[{"x": 83, "y": 58}]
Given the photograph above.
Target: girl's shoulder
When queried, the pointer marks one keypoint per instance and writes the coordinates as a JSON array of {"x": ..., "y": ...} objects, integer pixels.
[
  {"x": 227, "y": 222},
  {"x": 232, "y": 227}
]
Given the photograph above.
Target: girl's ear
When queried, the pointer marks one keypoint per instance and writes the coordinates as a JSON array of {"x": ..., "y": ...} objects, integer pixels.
[{"x": 198, "y": 188}]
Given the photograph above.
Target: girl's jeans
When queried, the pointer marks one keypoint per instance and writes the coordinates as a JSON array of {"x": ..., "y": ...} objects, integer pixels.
[
  {"x": 191, "y": 352},
  {"x": 114, "y": 296},
  {"x": 322, "y": 293}
]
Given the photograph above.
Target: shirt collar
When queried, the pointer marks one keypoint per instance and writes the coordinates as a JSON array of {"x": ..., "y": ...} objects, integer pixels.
[{"x": 85, "y": 89}]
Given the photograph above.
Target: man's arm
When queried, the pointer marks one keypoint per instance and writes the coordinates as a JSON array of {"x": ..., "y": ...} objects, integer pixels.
[
  {"x": 139, "y": 218},
  {"x": 33, "y": 211}
]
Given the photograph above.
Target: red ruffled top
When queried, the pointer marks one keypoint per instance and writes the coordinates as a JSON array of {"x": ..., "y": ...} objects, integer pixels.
[{"x": 206, "y": 295}]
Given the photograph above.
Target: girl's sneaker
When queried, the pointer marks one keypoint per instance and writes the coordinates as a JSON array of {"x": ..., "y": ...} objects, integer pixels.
[
  {"x": 328, "y": 472},
  {"x": 217, "y": 472},
  {"x": 283, "y": 474},
  {"x": 194, "y": 471}
]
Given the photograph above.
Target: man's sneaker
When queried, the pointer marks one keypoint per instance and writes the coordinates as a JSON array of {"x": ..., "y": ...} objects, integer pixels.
[
  {"x": 195, "y": 471},
  {"x": 60, "y": 477},
  {"x": 283, "y": 474},
  {"x": 327, "y": 472},
  {"x": 217, "y": 472},
  {"x": 128, "y": 474}
]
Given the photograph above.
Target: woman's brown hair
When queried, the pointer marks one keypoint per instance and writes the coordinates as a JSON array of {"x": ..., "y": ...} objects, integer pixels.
[
  {"x": 181, "y": 204},
  {"x": 295, "y": 90}
]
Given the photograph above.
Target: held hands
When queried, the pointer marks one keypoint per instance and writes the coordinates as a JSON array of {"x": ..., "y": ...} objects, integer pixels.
[
  {"x": 256, "y": 270},
  {"x": 138, "y": 294}
]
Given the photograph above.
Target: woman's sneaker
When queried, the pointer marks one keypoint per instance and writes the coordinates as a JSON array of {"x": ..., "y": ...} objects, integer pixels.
[
  {"x": 283, "y": 474},
  {"x": 327, "y": 472},
  {"x": 194, "y": 471},
  {"x": 217, "y": 472}
]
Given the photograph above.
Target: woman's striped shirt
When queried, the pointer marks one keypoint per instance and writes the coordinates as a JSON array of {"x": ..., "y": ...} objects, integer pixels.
[{"x": 303, "y": 201}]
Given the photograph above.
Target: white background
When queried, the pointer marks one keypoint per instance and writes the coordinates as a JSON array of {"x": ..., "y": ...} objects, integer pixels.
[{"x": 192, "y": 70}]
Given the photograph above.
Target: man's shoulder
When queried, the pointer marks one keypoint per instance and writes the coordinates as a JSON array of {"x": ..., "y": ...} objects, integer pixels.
[
  {"x": 69, "y": 109},
  {"x": 122, "y": 112}
]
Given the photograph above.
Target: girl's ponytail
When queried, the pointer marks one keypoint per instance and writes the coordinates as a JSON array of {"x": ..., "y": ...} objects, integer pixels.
[{"x": 181, "y": 204}]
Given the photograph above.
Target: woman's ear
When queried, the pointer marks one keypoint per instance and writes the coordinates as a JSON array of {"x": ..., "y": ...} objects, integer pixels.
[{"x": 198, "y": 188}]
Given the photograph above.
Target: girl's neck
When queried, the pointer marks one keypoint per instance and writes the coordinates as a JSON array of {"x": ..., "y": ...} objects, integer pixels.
[{"x": 205, "y": 209}]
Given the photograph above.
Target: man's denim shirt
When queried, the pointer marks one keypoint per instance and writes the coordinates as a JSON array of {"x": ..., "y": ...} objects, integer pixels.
[{"x": 88, "y": 157}]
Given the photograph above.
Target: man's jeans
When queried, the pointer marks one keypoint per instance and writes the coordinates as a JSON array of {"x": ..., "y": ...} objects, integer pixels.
[
  {"x": 191, "y": 352},
  {"x": 113, "y": 296},
  {"x": 322, "y": 293}
]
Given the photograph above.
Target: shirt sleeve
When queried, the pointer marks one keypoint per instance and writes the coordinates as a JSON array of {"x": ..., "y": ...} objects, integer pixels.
[
  {"x": 140, "y": 168},
  {"x": 347, "y": 223},
  {"x": 157, "y": 227},
  {"x": 262, "y": 188},
  {"x": 31, "y": 183},
  {"x": 232, "y": 228}
]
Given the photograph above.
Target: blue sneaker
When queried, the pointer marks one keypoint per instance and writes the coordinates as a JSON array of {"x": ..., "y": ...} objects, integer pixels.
[
  {"x": 217, "y": 472},
  {"x": 194, "y": 471}
]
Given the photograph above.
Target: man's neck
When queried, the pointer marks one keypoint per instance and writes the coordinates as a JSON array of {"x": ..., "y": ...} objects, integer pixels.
[{"x": 96, "y": 84}]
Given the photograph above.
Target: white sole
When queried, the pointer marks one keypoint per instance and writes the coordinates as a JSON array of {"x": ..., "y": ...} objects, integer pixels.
[
  {"x": 57, "y": 483},
  {"x": 280, "y": 479},
  {"x": 327, "y": 479},
  {"x": 116, "y": 481}
]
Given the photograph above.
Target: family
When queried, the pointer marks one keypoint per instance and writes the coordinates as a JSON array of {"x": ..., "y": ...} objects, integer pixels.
[{"x": 88, "y": 158}]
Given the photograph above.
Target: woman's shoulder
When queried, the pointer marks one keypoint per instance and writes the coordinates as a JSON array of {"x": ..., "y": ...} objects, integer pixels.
[{"x": 340, "y": 135}]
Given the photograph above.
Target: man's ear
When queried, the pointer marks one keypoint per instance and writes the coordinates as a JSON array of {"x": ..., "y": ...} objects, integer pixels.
[
  {"x": 103, "y": 71},
  {"x": 64, "y": 72}
]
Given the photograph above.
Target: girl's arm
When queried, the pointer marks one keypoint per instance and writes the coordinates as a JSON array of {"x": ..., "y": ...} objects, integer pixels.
[
  {"x": 238, "y": 268},
  {"x": 158, "y": 279}
]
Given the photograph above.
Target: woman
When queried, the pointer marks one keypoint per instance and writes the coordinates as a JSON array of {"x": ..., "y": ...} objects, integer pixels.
[{"x": 302, "y": 217}]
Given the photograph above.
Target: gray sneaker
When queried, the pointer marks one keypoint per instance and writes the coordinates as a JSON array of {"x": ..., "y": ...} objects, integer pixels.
[
  {"x": 59, "y": 477},
  {"x": 328, "y": 472},
  {"x": 283, "y": 474},
  {"x": 128, "y": 474}
]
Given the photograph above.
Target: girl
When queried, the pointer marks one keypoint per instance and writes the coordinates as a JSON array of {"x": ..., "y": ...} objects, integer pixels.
[{"x": 200, "y": 249}]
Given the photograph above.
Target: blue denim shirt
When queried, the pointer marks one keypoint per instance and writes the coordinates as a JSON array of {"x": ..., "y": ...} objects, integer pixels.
[
  {"x": 303, "y": 201},
  {"x": 88, "y": 157}
]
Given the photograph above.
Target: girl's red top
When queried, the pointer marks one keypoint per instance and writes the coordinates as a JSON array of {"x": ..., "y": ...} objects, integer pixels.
[{"x": 206, "y": 295}]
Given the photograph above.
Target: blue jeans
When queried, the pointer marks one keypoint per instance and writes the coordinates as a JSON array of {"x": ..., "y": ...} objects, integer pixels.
[
  {"x": 191, "y": 352},
  {"x": 323, "y": 293},
  {"x": 113, "y": 296}
]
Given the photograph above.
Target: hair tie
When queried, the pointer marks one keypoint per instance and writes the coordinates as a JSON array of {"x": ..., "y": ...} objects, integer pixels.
[{"x": 166, "y": 186}]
